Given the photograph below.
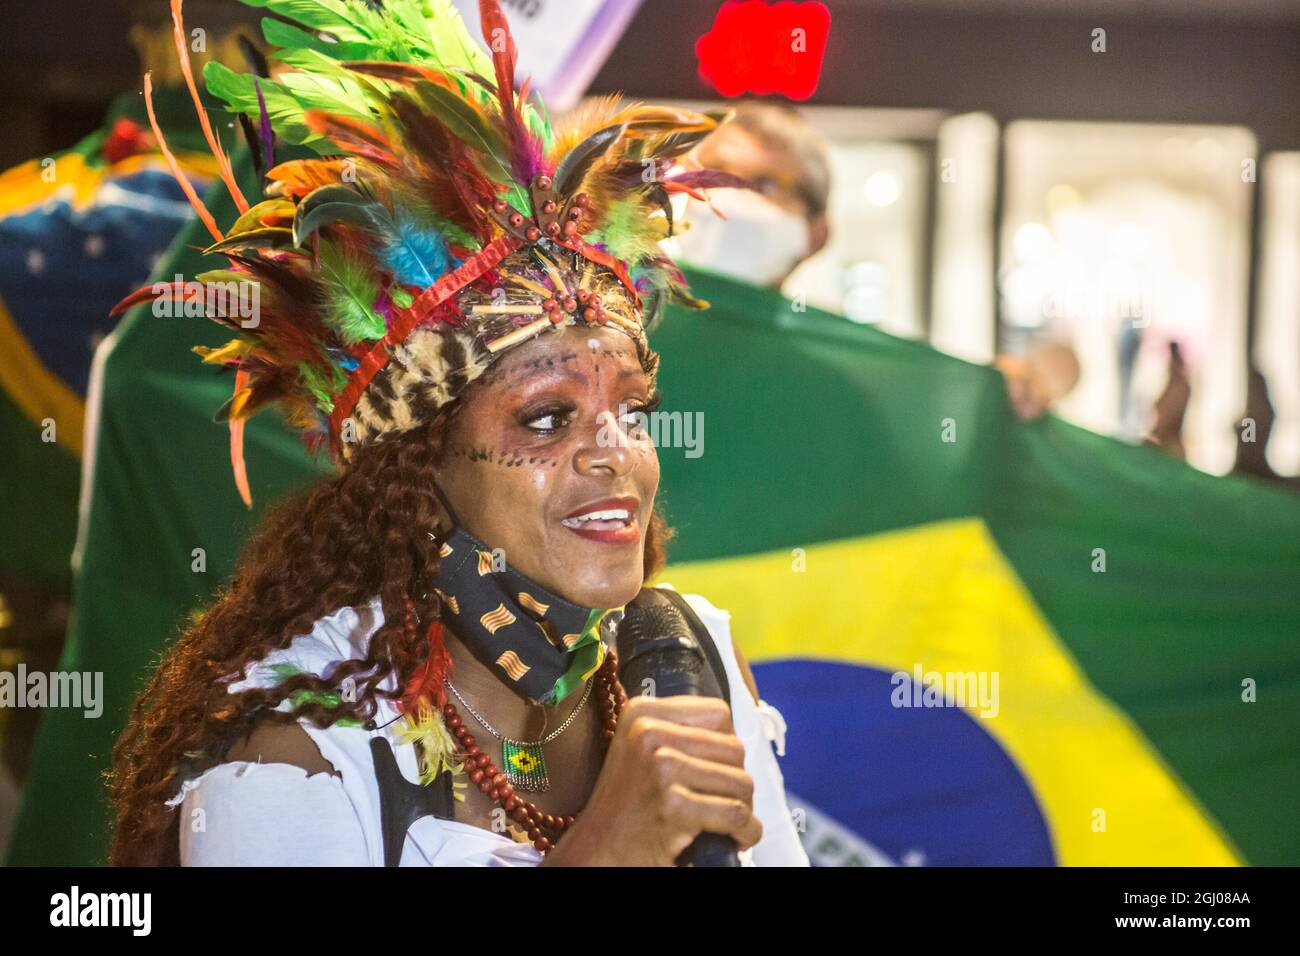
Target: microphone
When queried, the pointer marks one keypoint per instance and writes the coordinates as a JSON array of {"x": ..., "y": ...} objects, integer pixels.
[{"x": 659, "y": 655}]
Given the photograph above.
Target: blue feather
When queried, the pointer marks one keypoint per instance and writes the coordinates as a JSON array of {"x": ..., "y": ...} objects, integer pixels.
[
  {"x": 342, "y": 359},
  {"x": 414, "y": 254}
]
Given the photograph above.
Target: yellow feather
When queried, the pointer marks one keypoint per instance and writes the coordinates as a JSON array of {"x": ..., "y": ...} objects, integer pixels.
[
  {"x": 239, "y": 404},
  {"x": 593, "y": 114},
  {"x": 267, "y": 208},
  {"x": 437, "y": 749},
  {"x": 298, "y": 177},
  {"x": 598, "y": 112},
  {"x": 232, "y": 351}
]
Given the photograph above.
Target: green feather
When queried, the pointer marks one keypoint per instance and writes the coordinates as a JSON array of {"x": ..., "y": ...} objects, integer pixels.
[
  {"x": 626, "y": 231},
  {"x": 288, "y": 37},
  {"x": 336, "y": 17},
  {"x": 323, "y": 86},
  {"x": 465, "y": 122},
  {"x": 350, "y": 291},
  {"x": 413, "y": 31},
  {"x": 446, "y": 41},
  {"x": 268, "y": 237},
  {"x": 300, "y": 698},
  {"x": 239, "y": 95},
  {"x": 539, "y": 121},
  {"x": 429, "y": 32},
  {"x": 323, "y": 384}
]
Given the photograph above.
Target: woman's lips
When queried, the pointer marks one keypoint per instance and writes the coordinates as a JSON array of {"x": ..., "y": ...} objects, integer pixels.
[
  {"x": 609, "y": 532},
  {"x": 611, "y": 522}
]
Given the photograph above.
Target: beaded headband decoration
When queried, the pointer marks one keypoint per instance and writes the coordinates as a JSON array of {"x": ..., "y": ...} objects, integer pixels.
[{"x": 441, "y": 221}]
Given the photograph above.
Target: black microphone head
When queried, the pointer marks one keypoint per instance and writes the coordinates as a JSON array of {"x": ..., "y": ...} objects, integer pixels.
[
  {"x": 650, "y": 622},
  {"x": 658, "y": 653}
]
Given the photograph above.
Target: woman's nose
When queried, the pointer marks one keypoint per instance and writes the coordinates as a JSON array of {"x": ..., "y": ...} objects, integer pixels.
[{"x": 606, "y": 448}]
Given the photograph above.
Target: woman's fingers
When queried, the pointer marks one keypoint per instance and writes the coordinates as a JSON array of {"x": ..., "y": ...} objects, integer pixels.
[
  {"x": 672, "y": 766},
  {"x": 649, "y": 734},
  {"x": 675, "y": 769},
  {"x": 705, "y": 813},
  {"x": 708, "y": 713}
]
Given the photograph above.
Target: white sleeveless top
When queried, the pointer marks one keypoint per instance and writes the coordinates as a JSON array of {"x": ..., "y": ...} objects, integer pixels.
[{"x": 254, "y": 814}]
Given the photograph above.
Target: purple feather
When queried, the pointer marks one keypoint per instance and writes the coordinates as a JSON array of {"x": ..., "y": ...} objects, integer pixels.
[
  {"x": 529, "y": 161},
  {"x": 267, "y": 137},
  {"x": 527, "y": 158},
  {"x": 384, "y": 306}
]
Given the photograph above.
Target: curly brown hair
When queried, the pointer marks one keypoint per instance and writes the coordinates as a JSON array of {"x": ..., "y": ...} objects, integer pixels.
[{"x": 357, "y": 534}]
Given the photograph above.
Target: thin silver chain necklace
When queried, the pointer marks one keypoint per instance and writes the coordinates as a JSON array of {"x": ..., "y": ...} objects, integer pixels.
[{"x": 523, "y": 761}]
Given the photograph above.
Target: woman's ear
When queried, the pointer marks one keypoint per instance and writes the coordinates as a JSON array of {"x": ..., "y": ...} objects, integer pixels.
[{"x": 443, "y": 525}]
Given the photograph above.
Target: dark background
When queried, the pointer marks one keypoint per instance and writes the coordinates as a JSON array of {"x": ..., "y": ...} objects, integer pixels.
[{"x": 1205, "y": 61}]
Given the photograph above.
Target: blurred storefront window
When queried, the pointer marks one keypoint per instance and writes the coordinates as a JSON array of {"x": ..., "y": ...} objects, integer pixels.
[
  {"x": 1123, "y": 239},
  {"x": 1277, "y": 331}
]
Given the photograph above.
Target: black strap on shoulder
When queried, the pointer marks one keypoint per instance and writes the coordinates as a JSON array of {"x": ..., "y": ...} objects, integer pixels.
[
  {"x": 401, "y": 802},
  {"x": 706, "y": 642}
]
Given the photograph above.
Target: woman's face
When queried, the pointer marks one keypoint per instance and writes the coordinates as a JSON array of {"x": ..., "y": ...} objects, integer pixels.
[{"x": 539, "y": 444}]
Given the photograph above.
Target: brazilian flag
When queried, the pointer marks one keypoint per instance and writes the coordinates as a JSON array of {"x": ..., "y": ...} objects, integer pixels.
[
  {"x": 78, "y": 230},
  {"x": 993, "y": 642}
]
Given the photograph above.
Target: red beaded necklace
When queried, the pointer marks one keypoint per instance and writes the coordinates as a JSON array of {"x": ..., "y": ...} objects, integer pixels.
[{"x": 544, "y": 829}]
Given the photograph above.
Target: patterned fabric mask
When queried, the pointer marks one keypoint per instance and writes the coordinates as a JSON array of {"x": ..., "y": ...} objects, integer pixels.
[{"x": 538, "y": 643}]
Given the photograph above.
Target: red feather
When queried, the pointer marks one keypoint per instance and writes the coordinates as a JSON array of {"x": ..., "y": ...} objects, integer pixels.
[
  {"x": 404, "y": 73},
  {"x": 177, "y": 291},
  {"x": 525, "y": 148},
  {"x": 359, "y": 139},
  {"x": 444, "y": 169},
  {"x": 426, "y": 681}
]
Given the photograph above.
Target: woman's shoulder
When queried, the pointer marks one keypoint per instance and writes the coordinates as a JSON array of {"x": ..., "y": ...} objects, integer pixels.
[
  {"x": 341, "y": 635},
  {"x": 710, "y": 615}
]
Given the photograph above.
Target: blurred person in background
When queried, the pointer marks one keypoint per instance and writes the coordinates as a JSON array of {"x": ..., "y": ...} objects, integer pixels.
[
  {"x": 769, "y": 231},
  {"x": 1170, "y": 409},
  {"x": 1254, "y": 432},
  {"x": 1040, "y": 378}
]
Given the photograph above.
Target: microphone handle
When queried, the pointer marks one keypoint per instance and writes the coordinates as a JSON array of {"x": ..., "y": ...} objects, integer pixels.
[
  {"x": 675, "y": 672},
  {"x": 710, "y": 849}
]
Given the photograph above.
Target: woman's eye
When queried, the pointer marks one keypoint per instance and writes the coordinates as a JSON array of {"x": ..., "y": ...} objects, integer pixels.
[
  {"x": 547, "y": 421},
  {"x": 640, "y": 411},
  {"x": 634, "y": 421}
]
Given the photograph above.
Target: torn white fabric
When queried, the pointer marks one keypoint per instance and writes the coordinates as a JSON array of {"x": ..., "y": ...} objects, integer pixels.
[
  {"x": 773, "y": 725},
  {"x": 254, "y": 814}
]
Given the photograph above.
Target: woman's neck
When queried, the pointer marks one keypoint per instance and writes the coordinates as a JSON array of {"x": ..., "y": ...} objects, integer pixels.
[{"x": 509, "y": 714}]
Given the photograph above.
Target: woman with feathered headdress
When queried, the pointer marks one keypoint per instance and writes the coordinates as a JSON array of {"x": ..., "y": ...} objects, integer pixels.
[{"x": 413, "y": 664}]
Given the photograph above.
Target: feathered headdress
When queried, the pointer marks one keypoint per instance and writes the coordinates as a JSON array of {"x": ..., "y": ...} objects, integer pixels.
[{"x": 442, "y": 222}]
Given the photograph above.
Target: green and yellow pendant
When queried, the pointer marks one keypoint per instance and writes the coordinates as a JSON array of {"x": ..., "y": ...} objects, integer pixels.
[{"x": 524, "y": 766}]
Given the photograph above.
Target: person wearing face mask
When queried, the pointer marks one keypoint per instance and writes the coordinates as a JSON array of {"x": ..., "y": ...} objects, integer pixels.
[{"x": 768, "y": 231}]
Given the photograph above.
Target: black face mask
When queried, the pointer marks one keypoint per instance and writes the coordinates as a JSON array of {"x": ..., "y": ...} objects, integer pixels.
[{"x": 541, "y": 645}]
